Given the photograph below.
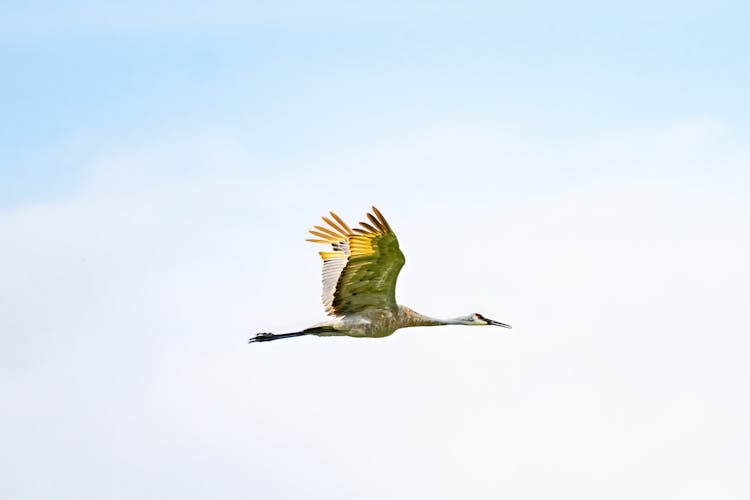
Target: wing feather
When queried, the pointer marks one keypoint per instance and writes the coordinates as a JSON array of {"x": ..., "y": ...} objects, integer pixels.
[
  {"x": 341, "y": 222},
  {"x": 333, "y": 225},
  {"x": 361, "y": 271},
  {"x": 330, "y": 233},
  {"x": 376, "y": 222},
  {"x": 321, "y": 234},
  {"x": 369, "y": 228},
  {"x": 382, "y": 219}
]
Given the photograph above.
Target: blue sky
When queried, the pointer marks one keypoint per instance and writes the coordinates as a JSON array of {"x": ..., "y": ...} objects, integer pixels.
[
  {"x": 80, "y": 77},
  {"x": 577, "y": 170}
]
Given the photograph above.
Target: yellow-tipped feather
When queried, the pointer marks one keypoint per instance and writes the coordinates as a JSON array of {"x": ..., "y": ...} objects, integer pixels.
[
  {"x": 339, "y": 237},
  {"x": 382, "y": 219},
  {"x": 340, "y": 221},
  {"x": 361, "y": 245},
  {"x": 325, "y": 236},
  {"x": 376, "y": 222},
  {"x": 368, "y": 227},
  {"x": 334, "y": 226},
  {"x": 331, "y": 255}
]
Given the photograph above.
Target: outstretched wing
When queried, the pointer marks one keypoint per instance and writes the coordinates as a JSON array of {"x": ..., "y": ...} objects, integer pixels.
[{"x": 361, "y": 270}]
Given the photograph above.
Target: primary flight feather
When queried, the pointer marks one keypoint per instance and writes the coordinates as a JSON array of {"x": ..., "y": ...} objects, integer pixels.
[{"x": 359, "y": 283}]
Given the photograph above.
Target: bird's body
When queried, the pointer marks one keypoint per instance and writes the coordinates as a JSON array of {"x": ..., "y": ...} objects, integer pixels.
[
  {"x": 376, "y": 322},
  {"x": 359, "y": 282}
]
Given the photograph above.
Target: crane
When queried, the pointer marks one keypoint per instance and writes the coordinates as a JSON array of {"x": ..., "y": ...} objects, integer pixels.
[{"x": 359, "y": 283}]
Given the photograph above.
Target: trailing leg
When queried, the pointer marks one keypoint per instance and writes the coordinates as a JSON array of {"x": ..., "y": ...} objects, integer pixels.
[
  {"x": 313, "y": 330},
  {"x": 265, "y": 336}
]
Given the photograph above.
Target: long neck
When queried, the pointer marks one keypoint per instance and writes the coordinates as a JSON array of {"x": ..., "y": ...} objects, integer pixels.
[{"x": 409, "y": 317}]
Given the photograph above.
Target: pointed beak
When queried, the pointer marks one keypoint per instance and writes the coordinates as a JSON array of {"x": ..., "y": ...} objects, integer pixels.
[{"x": 497, "y": 323}]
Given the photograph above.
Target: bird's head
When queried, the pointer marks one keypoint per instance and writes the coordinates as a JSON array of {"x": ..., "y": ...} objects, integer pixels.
[{"x": 479, "y": 320}]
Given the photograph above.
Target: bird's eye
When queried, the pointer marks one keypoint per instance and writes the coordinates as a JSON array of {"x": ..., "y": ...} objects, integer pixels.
[{"x": 479, "y": 316}]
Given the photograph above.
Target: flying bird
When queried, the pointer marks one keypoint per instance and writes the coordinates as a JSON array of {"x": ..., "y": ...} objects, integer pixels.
[{"x": 359, "y": 283}]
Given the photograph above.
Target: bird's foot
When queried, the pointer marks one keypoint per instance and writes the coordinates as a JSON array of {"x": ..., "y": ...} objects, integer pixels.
[{"x": 262, "y": 337}]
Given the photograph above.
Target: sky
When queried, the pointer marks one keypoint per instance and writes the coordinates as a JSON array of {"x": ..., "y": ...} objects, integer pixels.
[{"x": 577, "y": 170}]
